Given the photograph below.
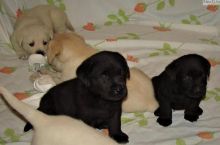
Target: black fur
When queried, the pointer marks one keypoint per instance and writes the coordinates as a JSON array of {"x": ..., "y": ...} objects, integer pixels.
[
  {"x": 95, "y": 96},
  {"x": 181, "y": 86}
]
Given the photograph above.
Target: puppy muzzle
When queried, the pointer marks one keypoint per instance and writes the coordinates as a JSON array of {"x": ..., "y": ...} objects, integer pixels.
[
  {"x": 200, "y": 90},
  {"x": 40, "y": 52},
  {"x": 197, "y": 94},
  {"x": 119, "y": 91}
]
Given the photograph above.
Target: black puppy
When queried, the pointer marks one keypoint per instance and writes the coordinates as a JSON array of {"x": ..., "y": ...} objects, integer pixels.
[
  {"x": 181, "y": 86},
  {"x": 95, "y": 96}
]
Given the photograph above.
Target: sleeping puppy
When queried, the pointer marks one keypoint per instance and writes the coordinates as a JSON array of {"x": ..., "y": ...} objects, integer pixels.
[
  {"x": 94, "y": 96},
  {"x": 65, "y": 53},
  {"x": 181, "y": 86},
  {"x": 35, "y": 27},
  {"x": 56, "y": 130}
]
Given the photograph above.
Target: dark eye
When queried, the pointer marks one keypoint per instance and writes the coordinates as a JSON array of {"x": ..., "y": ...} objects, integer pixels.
[
  {"x": 31, "y": 44},
  {"x": 104, "y": 75},
  {"x": 187, "y": 78},
  {"x": 44, "y": 42}
]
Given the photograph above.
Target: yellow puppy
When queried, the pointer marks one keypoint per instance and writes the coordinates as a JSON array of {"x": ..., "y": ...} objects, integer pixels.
[
  {"x": 66, "y": 52},
  {"x": 56, "y": 130},
  {"x": 35, "y": 27}
]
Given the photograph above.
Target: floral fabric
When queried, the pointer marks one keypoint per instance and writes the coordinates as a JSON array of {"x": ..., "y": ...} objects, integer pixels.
[{"x": 149, "y": 34}]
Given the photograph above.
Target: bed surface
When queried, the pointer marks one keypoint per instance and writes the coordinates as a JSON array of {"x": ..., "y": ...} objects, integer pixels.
[{"x": 149, "y": 39}]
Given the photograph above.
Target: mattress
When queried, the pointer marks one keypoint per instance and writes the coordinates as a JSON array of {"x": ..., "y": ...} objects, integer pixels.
[{"x": 149, "y": 34}]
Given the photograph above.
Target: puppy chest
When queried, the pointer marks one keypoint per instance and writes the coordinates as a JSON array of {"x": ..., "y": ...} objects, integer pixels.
[
  {"x": 99, "y": 119},
  {"x": 180, "y": 103}
]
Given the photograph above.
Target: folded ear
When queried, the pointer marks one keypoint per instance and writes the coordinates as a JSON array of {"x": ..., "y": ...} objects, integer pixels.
[
  {"x": 16, "y": 40},
  {"x": 123, "y": 63},
  {"x": 127, "y": 70},
  {"x": 170, "y": 70},
  {"x": 51, "y": 34},
  {"x": 54, "y": 49},
  {"x": 207, "y": 66},
  {"x": 83, "y": 71}
]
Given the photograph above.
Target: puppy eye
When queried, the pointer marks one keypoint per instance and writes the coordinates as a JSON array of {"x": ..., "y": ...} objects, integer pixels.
[
  {"x": 187, "y": 78},
  {"x": 44, "y": 42},
  {"x": 104, "y": 75},
  {"x": 31, "y": 44}
]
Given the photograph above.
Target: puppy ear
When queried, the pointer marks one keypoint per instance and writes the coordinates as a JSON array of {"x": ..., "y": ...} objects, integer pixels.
[
  {"x": 48, "y": 31},
  {"x": 84, "y": 70},
  {"x": 207, "y": 67},
  {"x": 16, "y": 41},
  {"x": 127, "y": 71},
  {"x": 20, "y": 40},
  {"x": 170, "y": 70},
  {"x": 54, "y": 49},
  {"x": 51, "y": 34},
  {"x": 124, "y": 64}
]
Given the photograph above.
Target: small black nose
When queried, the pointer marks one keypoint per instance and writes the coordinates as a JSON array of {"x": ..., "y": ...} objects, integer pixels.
[
  {"x": 118, "y": 89},
  {"x": 40, "y": 52}
]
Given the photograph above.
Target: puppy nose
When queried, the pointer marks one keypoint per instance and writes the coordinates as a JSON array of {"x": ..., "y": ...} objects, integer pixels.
[
  {"x": 118, "y": 89},
  {"x": 197, "y": 90},
  {"x": 40, "y": 52}
]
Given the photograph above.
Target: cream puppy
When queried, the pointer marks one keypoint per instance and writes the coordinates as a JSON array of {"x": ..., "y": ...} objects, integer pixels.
[
  {"x": 140, "y": 93},
  {"x": 35, "y": 27},
  {"x": 56, "y": 130},
  {"x": 66, "y": 52}
]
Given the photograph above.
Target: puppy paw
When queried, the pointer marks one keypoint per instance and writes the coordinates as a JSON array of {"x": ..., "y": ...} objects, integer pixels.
[
  {"x": 27, "y": 127},
  {"x": 191, "y": 118},
  {"x": 120, "y": 138},
  {"x": 157, "y": 112},
  {"x": 164, "y": 122},
  {"x": 199, "y": 111}
]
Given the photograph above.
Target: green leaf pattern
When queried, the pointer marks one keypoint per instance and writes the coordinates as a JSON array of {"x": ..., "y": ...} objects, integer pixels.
[
  {"x": 119, "y": 18},
  {"x": 137, "y": 118},
  {"x": 59, "y": 3},
  {"x": 9, "y": 136},
  {"x": 180, "y": 141},
  {"x": 209, "y": 41},
  {"x": 160, "y": 5},
  {"x": 172, "y": 3},
  {"x": 193, "y": 19},
  {"x": 129, "y": 36},
  {"x": 167, "y": 49},
  {"x": 214, "y": 93}
]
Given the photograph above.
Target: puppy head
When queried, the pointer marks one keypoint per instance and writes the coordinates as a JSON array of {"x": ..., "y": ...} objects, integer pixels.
[
  {"x": 64, "y": 46},
  {"x": 105, "y": 74},
  {"x": 190, "y": 74},
  {"x": 34, "y": 39}
]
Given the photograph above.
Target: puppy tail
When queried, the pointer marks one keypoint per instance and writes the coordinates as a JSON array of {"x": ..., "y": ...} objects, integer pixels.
[{"x": 24, "y": 109}]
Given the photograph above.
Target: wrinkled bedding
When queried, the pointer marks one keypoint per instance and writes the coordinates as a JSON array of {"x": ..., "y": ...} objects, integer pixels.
[{"x": 149, "y": 34}]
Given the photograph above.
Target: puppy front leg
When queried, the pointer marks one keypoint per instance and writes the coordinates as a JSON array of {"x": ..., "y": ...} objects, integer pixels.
[
  {"x": 165, "y": 114},
  {"x": 115, "y": 129},
  {"x": 192, "y": 112}
]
